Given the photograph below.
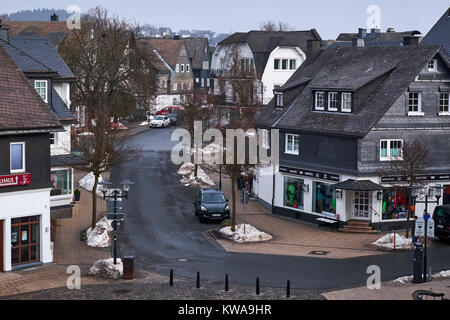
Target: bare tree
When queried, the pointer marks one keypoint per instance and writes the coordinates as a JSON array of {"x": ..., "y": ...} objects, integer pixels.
[
  {"x": 113, "y": 77},
  {"x": 412, "y": 163},
  {"x": 273, "y": 26}
]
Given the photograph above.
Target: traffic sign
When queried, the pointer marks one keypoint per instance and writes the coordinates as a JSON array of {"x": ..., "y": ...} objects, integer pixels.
[
  {"x": 112, "y": 216},
  {"x": 430, "y": 228},
  {"x": 420, "y": 227}
]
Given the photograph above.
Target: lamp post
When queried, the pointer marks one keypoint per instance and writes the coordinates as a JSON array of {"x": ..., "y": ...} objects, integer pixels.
[
  {"x": 433, "y": 191},
  {"x": 115, "y": 195}
]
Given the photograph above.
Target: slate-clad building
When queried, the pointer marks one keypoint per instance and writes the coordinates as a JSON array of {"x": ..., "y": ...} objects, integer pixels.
[
  {"x": 25, "y": 169},
  {"x": 343, "y": 118},
  {"x": 440, "y": 33}
]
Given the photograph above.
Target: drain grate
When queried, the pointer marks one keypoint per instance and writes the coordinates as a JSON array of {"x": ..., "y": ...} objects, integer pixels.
[{"x": 319, "y": 253}]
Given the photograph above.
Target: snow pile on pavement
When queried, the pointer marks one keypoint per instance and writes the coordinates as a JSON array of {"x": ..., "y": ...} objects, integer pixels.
[
  {"x": 145, "y": 123},
  {"x": 87, "y": 182},
  {"x": 251, "y": 234},
  {"x": 107, "y": 268},
  {"x": 202, "y": 180},
  {"x": 388, "y": 242},
  {"x": 408, "y": 279},
  {"x": 100, "y": 236}
]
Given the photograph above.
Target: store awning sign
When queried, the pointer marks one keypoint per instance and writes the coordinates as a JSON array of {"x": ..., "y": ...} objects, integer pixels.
[
  {"x": 15, "y": 180},
  {"x": 311, "y": 174}
]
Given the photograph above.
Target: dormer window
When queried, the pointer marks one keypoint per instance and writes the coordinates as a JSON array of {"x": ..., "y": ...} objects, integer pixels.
[
  {"x": 41, "y": 88},
  {"x": 319, "y": 100},
  {"x": 278, "y": 100},
  {"x": 432, "y": 65},
  {"x": 333, "y": 101},
  {"x": 346, "y": 102},
  {"x": 415, "y": 104}
]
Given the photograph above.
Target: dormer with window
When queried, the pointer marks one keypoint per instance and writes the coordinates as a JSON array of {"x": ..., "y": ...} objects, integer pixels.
[
  {"x": 333, "y": 101},
  {"x": 415, "y": 104},
  {"x": 41, "y": 87},
  {"x": 432, "y": 65},
  {"x": 279, "y": 99}
]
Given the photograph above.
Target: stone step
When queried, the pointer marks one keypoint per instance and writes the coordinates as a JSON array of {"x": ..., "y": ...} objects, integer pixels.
[
  {"x": 348, "y": 229},
  {"x": 358, "y": 223}
]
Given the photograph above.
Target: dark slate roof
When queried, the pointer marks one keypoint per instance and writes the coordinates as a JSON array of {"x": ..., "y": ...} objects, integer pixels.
[
  {"x": 379, "y": 36},
  {"x": 262, "y": 43},
  {"x": 348, "y": 68},
  {"x": 440, "y": 33},
  {"x": 361, "y": 185},
  {"x": 21, "y": 108},
  {"x": 196, "y": 51},
  {"x": 168, "y": 49},
  {"x": 368, "y": 43},
  {"x": 60, "y": 109},
  {"x": 67, "y": 160},
  {"x": 55, "y": 31},
  {"x": 41, "y": 51}
]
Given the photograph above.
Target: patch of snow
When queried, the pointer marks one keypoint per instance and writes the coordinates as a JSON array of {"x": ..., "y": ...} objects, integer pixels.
[
  {"x": 388, "y": 242},
  {"x": 100, "y": 236},
  {"x": 187, "y": 170},
  {"x": 403, "y": 280},
  {"x": 251, "y": 234},
  {"x": 145, "y": 123},
  {"x": 107, "y": 268},
  {"x": 87, "y": 182},
  {"x": 407, "y": 279}
]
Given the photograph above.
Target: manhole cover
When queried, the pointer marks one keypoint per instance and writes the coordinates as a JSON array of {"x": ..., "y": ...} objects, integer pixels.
[{"x": 319, "y": 253}]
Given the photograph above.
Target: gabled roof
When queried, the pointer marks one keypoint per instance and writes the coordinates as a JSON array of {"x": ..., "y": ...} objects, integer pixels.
[
  {"x": 55, "y": 31},
  {"x": 33, "y": 54},
  {"x": 262, "y": 43},
  {"x": 440, "y": 33},
  {"x": 341, "y": 68},
  {"x": 21, "y": 108},
  {"x": 197, "y": 49},
  {"x": 168, "y": 49}
]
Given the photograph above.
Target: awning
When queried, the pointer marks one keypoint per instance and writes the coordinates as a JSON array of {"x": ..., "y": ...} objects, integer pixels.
[{"x": 358, "y": 185}]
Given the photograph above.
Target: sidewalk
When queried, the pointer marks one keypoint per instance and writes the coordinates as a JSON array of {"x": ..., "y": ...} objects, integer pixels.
[
  {"x": 293, "y": 237},
  {"x": 390, "y": 291}
]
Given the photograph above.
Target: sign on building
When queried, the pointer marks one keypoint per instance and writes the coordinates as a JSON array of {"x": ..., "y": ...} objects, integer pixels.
[{"x": 15, "y": 180}]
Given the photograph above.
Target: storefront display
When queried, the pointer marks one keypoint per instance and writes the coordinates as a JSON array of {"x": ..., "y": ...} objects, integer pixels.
[
  {"x": 324, "y": 198},
  {"x": 61, "y": 182},
  {"x": 446, "y": 195},
  {"x": 293, "y": 193},
  {"x": 25, "y": 249},
  {"x": 395, "y": 204}
]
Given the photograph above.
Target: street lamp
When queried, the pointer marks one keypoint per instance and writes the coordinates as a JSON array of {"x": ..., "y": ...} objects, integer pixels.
[
  {"x": 115, "y": 195},
  {"x": 433, "y": 192}
]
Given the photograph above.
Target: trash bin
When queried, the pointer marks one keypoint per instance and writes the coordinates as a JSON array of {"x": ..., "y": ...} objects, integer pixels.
[{"x": 128, "y": 268}]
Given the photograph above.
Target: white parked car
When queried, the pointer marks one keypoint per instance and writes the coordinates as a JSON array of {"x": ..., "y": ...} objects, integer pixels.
[{"x": 160, "y": 122}]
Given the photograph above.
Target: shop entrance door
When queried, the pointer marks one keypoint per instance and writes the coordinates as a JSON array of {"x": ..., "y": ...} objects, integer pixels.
[
  {"x": 362, "y": 205},
  {"x": 1, "y": 246}
]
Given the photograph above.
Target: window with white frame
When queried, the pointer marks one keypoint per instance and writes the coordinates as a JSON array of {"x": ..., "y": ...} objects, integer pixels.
[
  {"x": 319, "y": 100},
  {"x": 182, "y": 68},
  {"x": 292, "y": 143},
  {"x": 53, "y": 137},
  {"x": 292, "y": 64},
  {"x": 175, "y": 86},
  {"x": 284, "y": 64},
  {"x": 177, "y": 68},
  {"x": 277, "y": 64},
  {"x": 415, "y": 103},
  {"x": 188, "y": 68},
  {"x": 333, "y": 101},
  {"x": 41, "y": 88},
  {"x": 432, "y": 65},
  {"x": 17, "y": 157},
  {"x": 444, "y": 103},
  {"x": 391, "y": 149},
  {"x": 208, "y": 82},
  {"x": 346, "y": 104},
  {"x": 278, "y": 100},
  {"x": 264, "y": 139}
]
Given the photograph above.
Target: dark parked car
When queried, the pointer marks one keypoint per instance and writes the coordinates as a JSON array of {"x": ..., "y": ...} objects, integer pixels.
[
  {"x": 211, "y": 205},
  {"x": 441, "y": 217},
  {"x": 173, "y": 118}
]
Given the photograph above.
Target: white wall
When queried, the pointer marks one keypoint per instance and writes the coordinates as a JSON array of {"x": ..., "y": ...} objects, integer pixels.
[
  {"x": 25, "y": 204},
  {"x": 63, "y": 89},
  {"x": 63, "y": 143},
  {"x": 272, "y": 77}
]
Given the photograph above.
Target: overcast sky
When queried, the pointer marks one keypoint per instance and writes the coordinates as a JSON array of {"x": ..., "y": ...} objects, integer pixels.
[{"x": 329, "y": 17}]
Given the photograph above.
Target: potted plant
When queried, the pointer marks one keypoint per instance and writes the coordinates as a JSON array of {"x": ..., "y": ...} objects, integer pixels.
[{"x": 77, "y": 195}]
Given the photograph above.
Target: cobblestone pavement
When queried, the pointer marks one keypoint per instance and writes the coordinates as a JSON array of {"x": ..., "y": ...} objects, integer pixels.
[{"x": 153, "y": 287}]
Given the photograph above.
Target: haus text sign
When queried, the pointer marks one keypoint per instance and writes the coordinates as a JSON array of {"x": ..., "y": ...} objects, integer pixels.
[{"x": 15, "y": 180}]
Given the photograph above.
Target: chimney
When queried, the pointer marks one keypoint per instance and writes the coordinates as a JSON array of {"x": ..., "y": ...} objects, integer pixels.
[
  {"x": 374, "y": 30},
  {"x": 312, "y": 49},
  {"x": 410, "y": 41},
  {"x": 54, "y": 17},
  {"x": 176, "y": 37},
  {"x": 362, "y": 33},
  {"x": 4, "y": 31},
  {"x": 358, "y": 42},
  {"x": 390, "y": 30}
]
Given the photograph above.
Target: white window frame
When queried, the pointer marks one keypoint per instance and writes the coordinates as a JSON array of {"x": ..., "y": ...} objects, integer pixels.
[
  {"x": 293, "y": 151},
  {"x": 265, "y": 138},
  {"x": 23, "y": 158},
  {"x": 343, "y": 100},
  {"x": 316, "y": 107},
  {"x": 388, "y": 156},
  {"x": 279, "y": 64},
  {"x": 287, "y": 64},
  {"x": 54, "y": 138},
  {"x": 46, "y": 89},
  {"x": 175, "y": 86},
  {"x": 177, "y": 68},
  {"x": 182, "y": 68},
  {"x": 295, "y": 62},
  {"x": 188, "y": 68},
  {"x": 329, "y": 101},
  {"x": 419, "y": 104},
  {"x": 279, "y": 100},
  {"x": 444, "y": 112},
  {"x": 434, "y": 67},
  {"x": 208, "y": 82}
]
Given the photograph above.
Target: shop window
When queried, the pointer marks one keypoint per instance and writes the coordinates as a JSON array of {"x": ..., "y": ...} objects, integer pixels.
[
  {"x": 17, "y": 157},
  {"x": 324, "y": 198},
  {"x": 395, "y": 204},
  {"x": 446, "y": 196},
  {"x": 25, "y": 240},
  {"x": 61, "y": 182},
  {"x": 293, "y": 193}
]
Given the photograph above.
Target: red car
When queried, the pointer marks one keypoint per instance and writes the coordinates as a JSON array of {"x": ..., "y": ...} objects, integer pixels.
[{"x": 166, "y": 111}]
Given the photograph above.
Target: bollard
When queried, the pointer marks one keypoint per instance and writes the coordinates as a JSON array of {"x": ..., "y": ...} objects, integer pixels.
[
  {"x": 257, "y": 285},
  {"x": 227, "y": 287},
  {"x": 288, "y": 289},
  {"x": 171, "y": 278},
  {"x": 198, "y": 280}
]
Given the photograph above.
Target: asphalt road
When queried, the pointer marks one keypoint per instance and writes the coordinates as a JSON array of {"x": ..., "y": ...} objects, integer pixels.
[{"x": 162, "y": 233}]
